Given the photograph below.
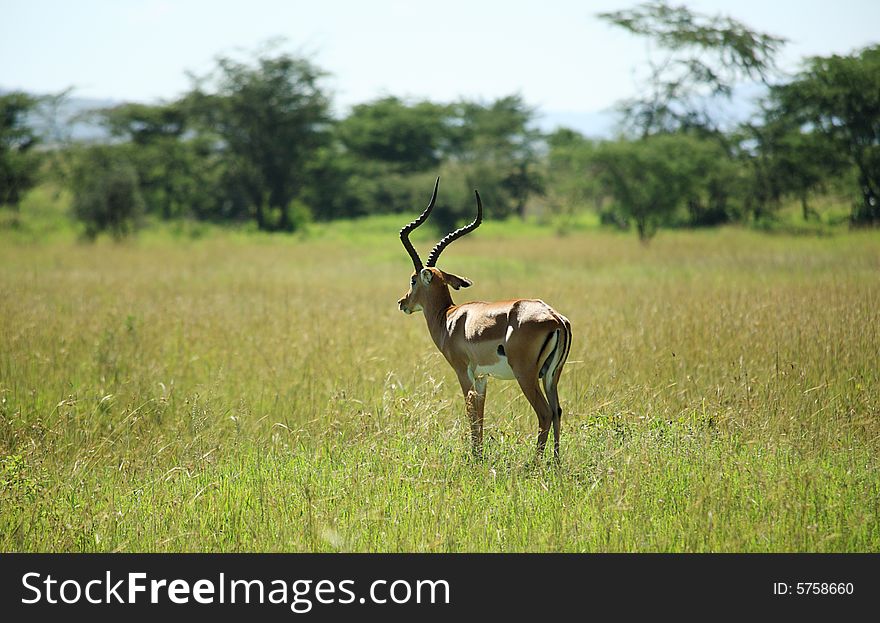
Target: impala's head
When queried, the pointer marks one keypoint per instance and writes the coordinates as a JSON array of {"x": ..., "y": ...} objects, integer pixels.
[{"x": 427, "y": 281}]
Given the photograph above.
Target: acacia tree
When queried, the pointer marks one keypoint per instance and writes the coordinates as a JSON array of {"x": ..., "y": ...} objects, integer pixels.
[
  {"x": 786, "y": 160},
  {"x": 703, "y": 58},
  {"x": 386, "y": 153},
  {"x": 838, "y": 97},
  {"x": 271, "y": 118},
  {"x": 497, "y": 147},
  {"x": 407, "y": 137},
  {"x": 642, "y": 178},
  {"x": 655, "y": 180},
  {"x": 157, "y": 153}
]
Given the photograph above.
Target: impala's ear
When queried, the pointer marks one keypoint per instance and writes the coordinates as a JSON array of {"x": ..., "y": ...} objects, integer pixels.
[
  {"x": 457, "y": 282},
  {"x": 426, "y": 275}
]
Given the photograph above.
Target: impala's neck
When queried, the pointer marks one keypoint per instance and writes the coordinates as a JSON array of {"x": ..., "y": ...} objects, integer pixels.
[{"x": 435, "y": 308}]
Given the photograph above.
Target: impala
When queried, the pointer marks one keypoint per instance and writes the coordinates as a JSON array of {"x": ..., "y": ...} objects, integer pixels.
[{"x": 522, "y": 339}]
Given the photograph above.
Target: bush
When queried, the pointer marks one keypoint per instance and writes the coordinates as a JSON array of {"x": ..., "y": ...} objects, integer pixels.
[{"x": 106, "y": 195}]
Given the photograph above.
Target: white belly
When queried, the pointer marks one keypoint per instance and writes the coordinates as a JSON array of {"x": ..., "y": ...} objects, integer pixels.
[{"x": 500, "y": 370}]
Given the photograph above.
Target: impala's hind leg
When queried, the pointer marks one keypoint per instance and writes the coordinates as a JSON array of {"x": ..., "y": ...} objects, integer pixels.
[
  {"x": 555, "y": 410},
  {"x": 526, "y": 354},
  {"x": 532, "y": 391},
  {"x": 551, "y": 388}
]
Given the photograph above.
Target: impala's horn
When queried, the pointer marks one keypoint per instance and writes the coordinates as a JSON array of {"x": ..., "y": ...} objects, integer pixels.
[
  {"x": 458, "y": 233},
  {"x": 404, "y": 233}
]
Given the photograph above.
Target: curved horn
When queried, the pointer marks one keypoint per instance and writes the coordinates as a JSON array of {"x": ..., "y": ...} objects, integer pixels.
[
  {"x": 404, "y": 233},
  {"x": 458, "y": 233}
]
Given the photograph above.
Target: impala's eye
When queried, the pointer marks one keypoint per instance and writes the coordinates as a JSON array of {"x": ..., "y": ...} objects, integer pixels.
[{"x": 412, "y": 280}]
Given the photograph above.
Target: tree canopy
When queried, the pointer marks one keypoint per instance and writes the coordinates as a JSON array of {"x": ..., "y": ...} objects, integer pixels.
[
  {"x": 255, "y": 141},
  {"x": 270, "y": 118},
  {"x": 18, "y": 161},
  {"x": 703, "y": 58},
  {"x": 838, "y": 98}
]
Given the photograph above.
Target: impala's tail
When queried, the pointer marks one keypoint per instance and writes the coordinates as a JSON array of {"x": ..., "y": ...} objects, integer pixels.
[{"x": 552, "y": 368}]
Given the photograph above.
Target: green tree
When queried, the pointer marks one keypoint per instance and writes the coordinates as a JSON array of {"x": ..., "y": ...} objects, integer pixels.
[
  {"x": 19, "y": 162},
  {"x": 651, "y": 178},
  {"x": 571, "y": 178},
  {"x": 709, "y": 179},
  {"x": 389, "y": 153},
  {"x": 271, "y": 118},
  {"x": 166, "y": 163},
  {"x": 786, "y": 160},
  {"x": 499, "y": 149},
  {"x": 106, "y": 194},
  {"x": 389, "y": 130},
  {"x": 838, "y": 97},
  {"x": 703, "y": 57},
  {"x": 144, "y": 124},
  {"x": 385, "y": 154}
]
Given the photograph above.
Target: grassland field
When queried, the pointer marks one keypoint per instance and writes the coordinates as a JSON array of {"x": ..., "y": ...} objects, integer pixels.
[{"x": 245, "y": 392}]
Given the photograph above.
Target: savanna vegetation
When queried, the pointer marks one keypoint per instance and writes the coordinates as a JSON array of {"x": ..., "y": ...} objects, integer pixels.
[
  {"x": 254, "y": 142},
  {"x": 258, "y": 393},
  {"x": 227, "y": 370}
]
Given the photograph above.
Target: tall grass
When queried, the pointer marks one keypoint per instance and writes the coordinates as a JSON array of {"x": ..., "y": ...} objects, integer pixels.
[{"x": 251, "y": 393}]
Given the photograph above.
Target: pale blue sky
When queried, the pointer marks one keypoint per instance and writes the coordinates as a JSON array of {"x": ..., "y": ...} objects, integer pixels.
[{"x": 554, "y": 52}]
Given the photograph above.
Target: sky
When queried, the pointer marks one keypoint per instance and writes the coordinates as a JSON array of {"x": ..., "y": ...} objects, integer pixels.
[{"x": 555, "y": 53}]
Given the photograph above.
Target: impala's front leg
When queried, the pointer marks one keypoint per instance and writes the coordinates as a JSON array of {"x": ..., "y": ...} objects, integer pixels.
[{"x": 475, "y": 401}]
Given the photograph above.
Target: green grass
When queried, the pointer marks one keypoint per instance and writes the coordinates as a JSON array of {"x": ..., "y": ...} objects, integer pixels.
[{"x": 215, "y": 391}]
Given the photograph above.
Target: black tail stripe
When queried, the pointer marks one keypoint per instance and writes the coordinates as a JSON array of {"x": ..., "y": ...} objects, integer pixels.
[{"x": 544, "y": 345}]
